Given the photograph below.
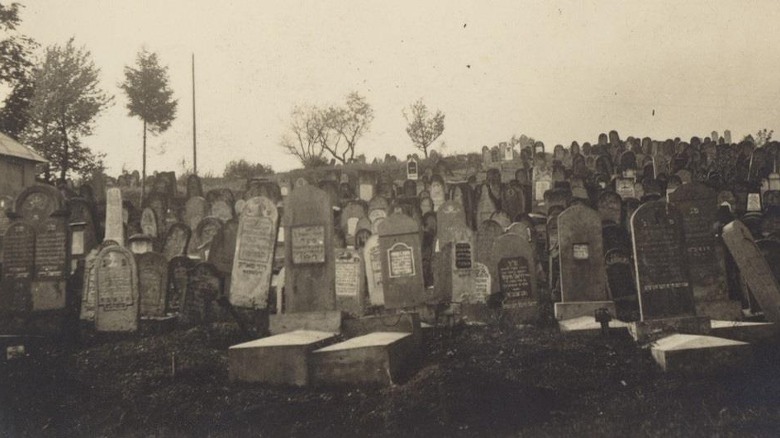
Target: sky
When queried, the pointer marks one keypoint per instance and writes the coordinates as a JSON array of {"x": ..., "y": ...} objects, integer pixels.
[{"x": 555, "y": 71}]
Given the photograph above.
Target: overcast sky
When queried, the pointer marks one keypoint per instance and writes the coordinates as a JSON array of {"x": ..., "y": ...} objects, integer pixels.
[{"x": 556, "y": 71}]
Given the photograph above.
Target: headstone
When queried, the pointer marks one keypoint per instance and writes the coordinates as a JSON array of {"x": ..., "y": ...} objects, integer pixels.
[
  {"x": 309, "y": 264},
  {"x": 514, "y": 273},
  {"x": 116, "y": 290},
  {"x": 223, "y": 251},
  {"x": 18, "y": 268},
  {"x": 400, "y": 248},
  {"x": 114, "y": 226},
  {"x": 148, "y": 222},
  {"x": 412, "y": 172},
  {"x": 38, "y": 202},
  {"x": 51, "y": 264},
  {"x": 373, "y": 268},
  {"x": 610, "y": 207},
  {"x": 437, "y": 192},
  {"x": 195, "y": 210},
  {"x": 350, "y": 281},
  {"x": 200, "y": 242},
  {"x": 697, "y": 204},
  {"x": 461, "y": 263},
  {"x": 223, "y": 210},
  {"x": 194, "y": 187},
  {"x": 487, "y": 233},
  {"x": 486, "y": 205},
  {"x": 512, "y": 201},
  {"x": 254, "y": 253},
  {"x": 620, "y": 279},
  {"x": 179, "y": 269},
  {"x": 350, "y": 216},
  {"x": 176, "y": 241},
  {"x": 204, "y": 286},
  {"x": 152, "y": 283}
]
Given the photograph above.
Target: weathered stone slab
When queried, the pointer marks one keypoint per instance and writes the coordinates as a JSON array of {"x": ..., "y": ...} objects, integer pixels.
[
  {"x": 115, "y": 229},
  {"x": 254, "y": 254},
  {"x": 350, "y": 281},
  {"x": 375, "y": 359},
  {"x": 514, "y": 272},
  {"x": 117, "y": 290},
  {"x": 176, "y": 241},
  {"x": 281, "y": 359},
  {"x": 407, "y": 322},
  {"x": 372, "y": 258},
  {"x": 652, "y": 329},
  {"x": 745, "y": 331},
  {"x": 589, "y": 325},
  {"x": 581, "y": 255},
  {"x": 700, "y": 354},
  {"x": 402, "y": 273},
  {"x": 205, "y": 285},
  {"x": 152, "y": 283}
]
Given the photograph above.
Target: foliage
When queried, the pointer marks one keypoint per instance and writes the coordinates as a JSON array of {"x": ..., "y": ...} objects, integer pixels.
[
  {"x": 15, "y": 69},
  {"x": 423, "y": 127},
  {"x": 762, "y": 137},
  {"x": 242, "y": 169},
  {"x": 149, "y": 96},
  {"x": 65, "y": 103},
  {"x": 315, "y": 132}
]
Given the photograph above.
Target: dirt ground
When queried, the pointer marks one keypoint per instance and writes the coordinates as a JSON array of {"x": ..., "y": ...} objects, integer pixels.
[{"x": 470, "y": 381}]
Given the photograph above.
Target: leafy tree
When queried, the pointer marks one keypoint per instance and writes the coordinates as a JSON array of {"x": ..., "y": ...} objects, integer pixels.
[
  {"x": 349, "y": 122},
  {"x": 65, "y": 103},
  {"x": 242, "y": 169},
  {"x": 303, "y": 139},
  {"x": 15, "y": 69},
  {"x": 423, "y": 127},
  {"x": 149, "y": 98}
]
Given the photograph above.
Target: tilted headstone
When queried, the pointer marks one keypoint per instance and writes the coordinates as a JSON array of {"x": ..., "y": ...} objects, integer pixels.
[
  {"x": 223, "y": 250},
  {"x": 660, "y": 260},
  {"x": 176, "y": 241},
  {"x": 254, "y": 255},
  {"x": 309, "y": 264},
  {"x": 400, "y": 247},
  {"x": 179, "y": 269},
  {"x": 116, "y": 290},
  {"x": 486, "y": 205},
  {"x": 200, "y": 242},
  {"x": 152, "y": 283},
  {"x": 697, "y": 205}
]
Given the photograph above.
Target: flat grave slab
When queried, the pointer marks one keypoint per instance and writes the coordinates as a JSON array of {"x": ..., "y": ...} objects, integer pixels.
[
  {"x": 407, "y": 322},
  {"x": 745, "y": 331},
  {"x": 588, "y": 324},
  {"x": 700, "y": 354},
  {"x": 324, "y": 320},
  {"x": 281, "y": 359},
  {"x": 376, "y": 358},
  {"x": 574, "y": 309},
  {"x": 652, "y": 329}
]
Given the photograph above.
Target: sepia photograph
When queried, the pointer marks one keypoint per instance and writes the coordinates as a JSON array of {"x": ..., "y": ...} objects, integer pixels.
[{"x": 426, "y": 218}]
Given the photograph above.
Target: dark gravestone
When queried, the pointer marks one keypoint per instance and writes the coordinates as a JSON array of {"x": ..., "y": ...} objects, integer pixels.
[
  {"x": 152, "y": 283},
  {"x": 159, "y": 202},
  {"x": 116, "y": 290},
  {"x": 18, "y": 267},
  {"x": 512, "y": 201},
  {"x": 51, "y": 264},
  {"x": 754, "y": 269},
  {"x": 176, "y": 241},
  {"x": 487, "y": 233},
  {"x": 697, "y": 205},
  {"x": 620, "y": 281},
  {"x": 610, "y": 206},
  {"x": 194, "y": 187},
  {"x": 178, "y": 278},
  {"x": 514, "y": 271},
  {"x": 400, "y": 248},
  {"x": 200, "y": 242},
  {"x": 254, "y": 254},
  {"x": 487, "y": 204},
  {"x": 309, "y": 264},
  {"x": 204, "y": 287},
  {"x": 449, "y": 218},
  {"x": 223, "y": 250},
  {"x": 582, "y": 272},
  {"x": 660, "y": 261},
  {"x": 38, "y": 202}
]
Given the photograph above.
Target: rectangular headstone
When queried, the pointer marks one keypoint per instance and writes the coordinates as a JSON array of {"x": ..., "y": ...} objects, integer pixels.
[
  {"x": 117, "y": 290},
  {"x": 402, "y": 276},
  {"x": 350, "y": 281},
  {"x": 254, "y": 254},
  {"x": 114, "y": 225}
]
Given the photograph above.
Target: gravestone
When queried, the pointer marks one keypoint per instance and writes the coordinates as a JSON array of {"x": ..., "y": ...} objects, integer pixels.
[
  {"x": 626, "y": 188},
  {"x": 372, "y": 258},
  {"x": 706, "y": 266},
  {"x": 482, "y": 285},
  {"x": 223, "y": 251},
  {"x": 620, "y": 282},
  {"x": 486, "y": 205},
  {"x": 36, "y": 203},
  {"x": 610, "y": 207},
  {"x": 581, "y": 261},
  {"x": 350, "y": 281},
  {"x": 194, "y": 187},
  {"x": 89, "y": 284},
  {"x": 487, "y": 233},
  {"x": 179, "y": 269},
  {"x": 254, "y": 253},
  {"x": 309, "y": 264},
  {"x": 200, "y": 242},
  {"x": 149, "y": 222},
  {"x": 84, "y": 235},
  {"x": 754, "y": 269},
  {"x": 461, "y": 262},
  {"x": 51, "y": 264},
  {"x": 204, "y": 287},
  {"x": 18, "y": 268},
  {"x": 412, "y": 171},
  {"x": 350, "y": 216},
  {"x": 449, "y": 217},
  {"x": 176, "y": 241},
  {"x": 116, "y": 290},
  {"x": 512, "y": 201},
  {"x": 159, "y": 202},
  {"x": 222, "y": 210},
  {"x": 400, "y": 248},
  {"x": 115, "y": 229},
  {"x": 437, "y": 192},
  {"x": 152, "y": 283},
  {"x": 195, "y": 210},
  {"x": 514, "y": 273}
]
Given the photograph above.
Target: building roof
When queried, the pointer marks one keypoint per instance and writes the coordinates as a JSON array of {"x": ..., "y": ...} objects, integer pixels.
[{"x": 12, "y": 148}]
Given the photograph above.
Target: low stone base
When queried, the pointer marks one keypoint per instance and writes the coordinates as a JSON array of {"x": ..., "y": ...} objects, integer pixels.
[
  {"x": 517, "y": 315},
  {"x": 652, "y": 329},
  {"x": 156, "y": 325},
  {"x": 281, "y": 359},
  {"x": 477, "y": 312},
  {"x": 722, "y": 309},
  {"x": 575, "y": 309},
  {"x": 588, "y": 325},
  {"x": 374, "y": 359},
  {"x": 402, "y": 323},
  {"x": 700, "y": 354},
  {"x": 745, "y": 331},
  {"x": 324, "y": 321}
]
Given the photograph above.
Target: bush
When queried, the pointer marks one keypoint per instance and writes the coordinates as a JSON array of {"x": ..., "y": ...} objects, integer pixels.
[{"x": 243, "y": 169}]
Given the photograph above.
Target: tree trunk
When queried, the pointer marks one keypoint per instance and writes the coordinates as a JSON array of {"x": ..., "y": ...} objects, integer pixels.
[
  {"x": 65, "y": 155},
  {"x": 143, "y": 171}
]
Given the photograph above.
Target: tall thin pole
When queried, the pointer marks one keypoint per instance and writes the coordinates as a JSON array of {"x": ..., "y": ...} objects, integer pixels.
[{"x": 194, "y": 131}]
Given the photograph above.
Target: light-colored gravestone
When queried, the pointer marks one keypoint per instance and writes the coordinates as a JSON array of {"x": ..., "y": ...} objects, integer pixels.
[
  {"x": 449, "y": 219},
  {"x": 195, "y": 210},
  {"x": 437, "y": 192},
  {"x": 116, "y": 291},
  {"x": 542, "y": 182},
  {"x": 698, "y": 205},
  {"x": 87, "y": 312},
  {"x": 115, "y": 229},
  {"x": 625, "y": 188},
  {"x": 482, "y": 285},
  {"x": 514, "y": 273},
  {"x": 350, "y": 281},
  {"x": 581, "y": 260},
  {"x": 309, "y": 264},
  {"x": 350, "y": 216},
  {"x": 400, "y": 247},
  {"x": 461, "y": 261},
  {"x": 666, "y": 302},
  {"x": 754, "y": 269},
  {"x": 176, "y": 241},
  {"x": 200, "y": 243},
  {"x": 487, "y": 233},
  {"x": 148, "y": 222},
  {"x": 254, "y": 254},
  {"x": 486, "y": 206},
  {"x": 412, "y": 170},
  {"x": 223, "y": 210},
  {"x": 373, "y": 266}
]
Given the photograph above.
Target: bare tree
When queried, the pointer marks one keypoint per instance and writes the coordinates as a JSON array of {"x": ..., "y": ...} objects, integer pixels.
[
  {"x": 303, "y": 137},
  {"x": 423, "y": 127},
  {"x": 349, "y": 122}
]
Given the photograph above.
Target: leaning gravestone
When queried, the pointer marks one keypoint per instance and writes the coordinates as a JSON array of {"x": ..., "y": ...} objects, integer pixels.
[
  {"x": 115, "y": 229},
  {"x": 195, "y": 210},
  {"x": 486, "y": 205},
  {"x": 200, "y": 243},
  {"x": 223, "y": 250},
  {"x": 400, "y": 248},
  {"x": 179, "y": 269},
  {"x": 373, "y": 268},
  {"x": 152, "y": 283},
  {"x": 666, "y": 300},
  {"x": 698, "y": 205},
  {"x": 581, "y": 261},
  {"x": 204, "y": 287},
  {"x": 116, "y": 291},
  {"x": 309, "y": 264},
  {"x": 254, "y": 255},
  {"x": 754, "y": 269},
  {"x": 176, "y": 241},
  {"x": 350, "y": 281},
  {"x": 514, "y": 271}
]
